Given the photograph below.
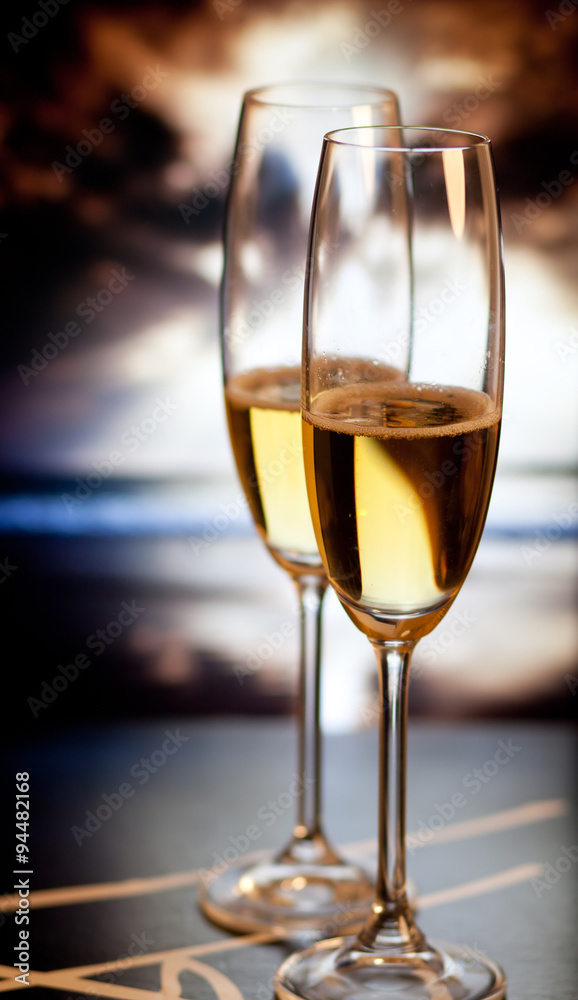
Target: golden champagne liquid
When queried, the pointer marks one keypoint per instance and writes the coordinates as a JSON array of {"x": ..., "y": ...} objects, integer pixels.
[
  {"x": 399, "y": 479},
  {"x": 265, "y": 428}
]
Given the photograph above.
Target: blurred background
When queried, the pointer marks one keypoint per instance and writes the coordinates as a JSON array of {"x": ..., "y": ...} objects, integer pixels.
[{"x": 132, "y": 580}]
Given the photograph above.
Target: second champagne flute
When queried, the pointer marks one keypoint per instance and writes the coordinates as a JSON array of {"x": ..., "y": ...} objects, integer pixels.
[{"x": 306, "y": 885}]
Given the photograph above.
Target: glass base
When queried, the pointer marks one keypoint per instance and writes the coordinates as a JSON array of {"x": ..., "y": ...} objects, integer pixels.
[
  {"x": 287, "y": 896},
  {"x": 340, "y": 970}
]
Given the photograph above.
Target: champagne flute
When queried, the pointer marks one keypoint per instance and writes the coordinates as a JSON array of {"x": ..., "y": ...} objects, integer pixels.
[
  {"x": 307, "y": 884},
  {"x": 399, "y": 475}
]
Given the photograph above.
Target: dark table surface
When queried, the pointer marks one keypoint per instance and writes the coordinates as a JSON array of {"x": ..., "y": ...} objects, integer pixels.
[{"x": 113, "y": 908}]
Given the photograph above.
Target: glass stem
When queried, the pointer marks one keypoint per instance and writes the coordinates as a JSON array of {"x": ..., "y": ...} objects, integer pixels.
[
  {"x": 391, "y": 926},
  {"x": 308, "y": 842}
]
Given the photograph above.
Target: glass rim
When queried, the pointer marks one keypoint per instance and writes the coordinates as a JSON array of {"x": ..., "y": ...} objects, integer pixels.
[
  {"x": 374, "y": 95},
  {"x": 477, "y": 139}
]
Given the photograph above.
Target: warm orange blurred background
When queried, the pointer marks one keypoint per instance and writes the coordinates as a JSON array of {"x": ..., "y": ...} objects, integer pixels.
[{"x": 119, "y": 505}]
